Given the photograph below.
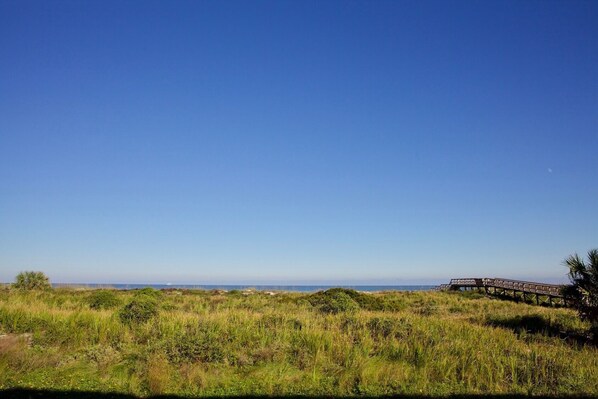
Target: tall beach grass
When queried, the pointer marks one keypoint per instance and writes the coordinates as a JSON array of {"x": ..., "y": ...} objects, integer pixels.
[{"x": 213, "y": 343}]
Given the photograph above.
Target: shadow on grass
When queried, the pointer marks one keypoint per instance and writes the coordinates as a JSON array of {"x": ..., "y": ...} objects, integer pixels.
[
  {"x": 535, "y": 324},
  {"x": 24, "y": 393}
]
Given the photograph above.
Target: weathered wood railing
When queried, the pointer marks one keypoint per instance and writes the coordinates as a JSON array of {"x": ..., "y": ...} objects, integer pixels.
[{"x": 502, "y": 286}]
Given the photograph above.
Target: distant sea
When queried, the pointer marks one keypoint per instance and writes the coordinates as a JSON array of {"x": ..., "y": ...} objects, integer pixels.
[{"x": 293, "y": 288}]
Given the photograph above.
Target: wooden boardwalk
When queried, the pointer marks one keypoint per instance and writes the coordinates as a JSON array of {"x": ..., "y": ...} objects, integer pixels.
[{"x": 525, "y": 290}]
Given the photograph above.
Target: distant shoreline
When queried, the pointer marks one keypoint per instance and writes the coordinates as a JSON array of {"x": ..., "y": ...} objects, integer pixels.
[{"x": 257, "y": 287}]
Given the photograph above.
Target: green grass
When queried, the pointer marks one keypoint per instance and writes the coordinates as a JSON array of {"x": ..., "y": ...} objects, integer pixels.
[{"x": 339, "y": 343}]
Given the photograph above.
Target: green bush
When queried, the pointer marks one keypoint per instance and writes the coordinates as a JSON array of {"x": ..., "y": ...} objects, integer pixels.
[
  {"x": 32, "y": 281},
  {"x": 103, "y": 300},
  {"x": 334, "y": 300},
  {"x": 139, "y": 310},
  {"x": 148, "y": 292},
  {"x": 203, "y": 343}
]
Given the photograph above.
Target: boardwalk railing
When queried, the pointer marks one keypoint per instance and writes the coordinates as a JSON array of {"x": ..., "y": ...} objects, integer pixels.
[
  {"x": 467, "y": 282},
  {"x": 502, "y": 286},
  {"x": 553, "y": 290}
]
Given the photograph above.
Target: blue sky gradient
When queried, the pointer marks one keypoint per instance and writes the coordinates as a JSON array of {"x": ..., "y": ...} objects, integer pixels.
[{"x": 297, "y": 141}]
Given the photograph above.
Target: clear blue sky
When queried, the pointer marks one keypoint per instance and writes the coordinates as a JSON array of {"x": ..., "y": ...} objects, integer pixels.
[{"x": 297, "y": 141}]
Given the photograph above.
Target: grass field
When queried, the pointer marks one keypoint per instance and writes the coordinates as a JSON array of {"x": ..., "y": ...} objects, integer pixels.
[{"x": 339, "y": 343}]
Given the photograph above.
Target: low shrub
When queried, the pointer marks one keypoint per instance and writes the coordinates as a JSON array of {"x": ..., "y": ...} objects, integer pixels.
[
  {"x": 334, "y": 300},
  {"x": 103, "y": 300},
  {"x": 148, "y": 292},
  {"x": 139, "y": 310},
  {"x": 203, "y": 343}
]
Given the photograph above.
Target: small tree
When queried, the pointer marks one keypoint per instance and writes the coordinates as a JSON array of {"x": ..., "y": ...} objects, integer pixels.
[
  {"x": 583, "y": 291},
  {"x": 32, "y": 281}
]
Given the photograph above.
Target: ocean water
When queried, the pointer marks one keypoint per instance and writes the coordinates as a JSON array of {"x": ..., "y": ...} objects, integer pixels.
[{"x": 292, "y": 288}]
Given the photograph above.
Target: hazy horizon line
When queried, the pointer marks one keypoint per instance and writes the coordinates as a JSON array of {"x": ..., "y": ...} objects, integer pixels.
[{"x": 324, "y": 282}]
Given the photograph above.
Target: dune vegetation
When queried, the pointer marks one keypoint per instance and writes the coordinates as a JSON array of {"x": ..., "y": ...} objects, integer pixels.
[{"x": 338, "y": 342}]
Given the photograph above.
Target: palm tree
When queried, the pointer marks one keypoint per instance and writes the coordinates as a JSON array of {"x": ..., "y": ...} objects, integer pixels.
[
  {"x": 583, "y": 291},
  {"x": 32, "y": 281}
]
